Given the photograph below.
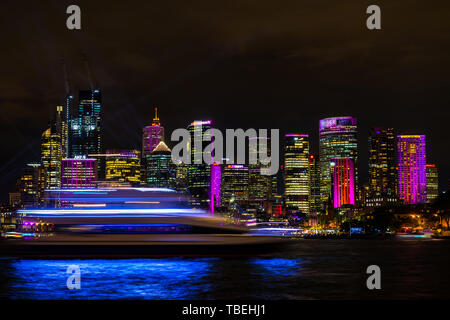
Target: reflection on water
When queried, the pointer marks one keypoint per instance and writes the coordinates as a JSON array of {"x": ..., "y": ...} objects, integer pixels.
[
  {"x": 315, "y": 269},
  {"x": 173, "y": 278},
  {"x": 106, "y": 279}
]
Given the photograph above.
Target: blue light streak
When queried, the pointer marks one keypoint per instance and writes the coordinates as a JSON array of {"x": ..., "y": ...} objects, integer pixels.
[{"x": 112, "y": 212}]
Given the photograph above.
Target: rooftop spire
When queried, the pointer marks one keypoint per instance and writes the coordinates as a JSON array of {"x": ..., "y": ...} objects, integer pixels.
[{"x": 156, "y": 119}]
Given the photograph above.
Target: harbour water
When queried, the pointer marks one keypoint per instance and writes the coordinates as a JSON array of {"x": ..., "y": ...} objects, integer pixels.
[{"x": 313, "y": 269}]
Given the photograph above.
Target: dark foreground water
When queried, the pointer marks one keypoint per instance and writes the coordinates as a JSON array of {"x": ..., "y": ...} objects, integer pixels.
[{"x": 313, "y": 269}]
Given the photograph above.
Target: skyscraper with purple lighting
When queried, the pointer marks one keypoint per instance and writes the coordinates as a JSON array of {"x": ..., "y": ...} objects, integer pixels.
[
  {"x": 337, "y": 139},
  {"x": 343, "y": 182},
  {"x": 216, "y": 177},
  {"x": 152, "y": 135},
  {"x": 411, "y": 163},
  {"x": 78, "y": 173}
]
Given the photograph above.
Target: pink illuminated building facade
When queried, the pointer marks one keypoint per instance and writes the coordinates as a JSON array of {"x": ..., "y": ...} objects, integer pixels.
[
  {"x": 343, "y": 182},
  {"x": 411, "y": 163},
  {"x": 78, "y": 173},
  {"x": 216, "y": 177},
  {"x": 152, "y": 135}
]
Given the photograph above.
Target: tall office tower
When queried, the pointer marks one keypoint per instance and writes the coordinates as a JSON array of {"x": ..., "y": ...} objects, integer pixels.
[
  {"x": 337, "y": 139},
  {"x": 152, "y": 135},
  {"x": 296, "y": 172},
  {"x": 51, "y": 156},
  {"x": 161, "y": 171},
  {"x": 31, "y": 184},
  {"x": 61, "y": 128},
  {"x": 382, "y": 162},
  {"x": 86, "y": 125},
  {"x": 181, "y": 177},
  {"x": 432, "y": 182},
  {"x": 411, "y": 161},
  {"x": 260, "y": 185},
  {"x": 234, "y": 185},
  {"x": 216, "y": 179},
  {"x": 199, "y": 175},
  {"x": 123, "y": 165},
  {"x": 78, "y": 173},
  {"x": 314, "y": 184},
  {"x": 68, "y": 119},
  {"x": 343, "y": 182}
]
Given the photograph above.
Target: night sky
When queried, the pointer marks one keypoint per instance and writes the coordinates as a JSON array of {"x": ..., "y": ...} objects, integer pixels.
[{"x": 243, "y": 64}]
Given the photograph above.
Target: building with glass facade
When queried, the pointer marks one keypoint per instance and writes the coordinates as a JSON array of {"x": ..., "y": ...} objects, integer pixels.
[
  {"x": 343, "y": 182},
  {"x": 86, "y": 125},
  {"x": 382, "y": 162},
  {"x": 432, "y": 182},
  {"x": 31, "y": 184},
  {"x": 51, "y": 156},
  {"x": 314, "y": 184},
  {"x": 411, "y": 163},
  {"x": 296, "y": 173},
  {"x": 123, "y": 165},
  {"x": 161, "y": 171},
  {"x": 198, "y": 175},
  {"x": 78, "y": 173},
  {"x": 337, "y": 139},
  {"x": 234, "y": 186}
]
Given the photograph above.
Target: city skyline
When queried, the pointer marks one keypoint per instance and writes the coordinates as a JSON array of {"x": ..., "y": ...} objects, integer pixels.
[{"x": 228, "y": 74}]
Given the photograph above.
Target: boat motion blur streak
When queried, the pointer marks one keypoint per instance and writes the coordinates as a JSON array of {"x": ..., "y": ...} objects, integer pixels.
[{"x": 129, "y": 222}]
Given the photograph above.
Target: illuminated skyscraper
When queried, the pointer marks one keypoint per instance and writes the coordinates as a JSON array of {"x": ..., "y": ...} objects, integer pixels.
[
  {"x": 152, "y": 135},
  {"x": 31, "y": 184},
  {"x": 343, "y": 182},
  {"x": 260, "y": 185},
  {"x": 382, "y": 162},
  {"x": 235, "y": 185},
  {"x": 411, "y": 161},
  {"x": 51, "y": 156},
  {"x": 161, "y": 171},
  {"x": 216, "y": 183},
  {"x": 432, "y": 182},
  {"x": 123, "y": 165},
  {"x": 78, "y": 173},
  {"x": 314, "y": 184},
  {"x": 86, "y": 125},
  {"x": 337, "y": 139},
  {"x": 199, "y": 175},
  {"x": 61, "y": 129},
  {"x": 296, "y": 172}
]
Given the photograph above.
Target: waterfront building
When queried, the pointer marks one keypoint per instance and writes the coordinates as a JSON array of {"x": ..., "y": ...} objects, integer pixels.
[
  {"x": 123, "y": 165},
  {"x": 296, "y": 173},
  {"x": 78, "y": 173},
  {"x": 152, "y": 135},
  {"x": 260, "y": 185},
  {"x": 314, "y": 184},
  {"x": 337, "y": 139},
  {"x": 161, "y": 171},
  {"x": 216, "y": 184},
  {"x": 31, "y": 184},
  {"x": 343, "y": 182},
  {"x": 234, "y": 185},
  {"x": 51, "y": 156},
  {"x": 86, "y": 125},
  {"x": 411, "y": 163},
  {"x": 382, "y": 162},
  {"x": 199, "y": 175},
  {"x": 432, "y": 182}
]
